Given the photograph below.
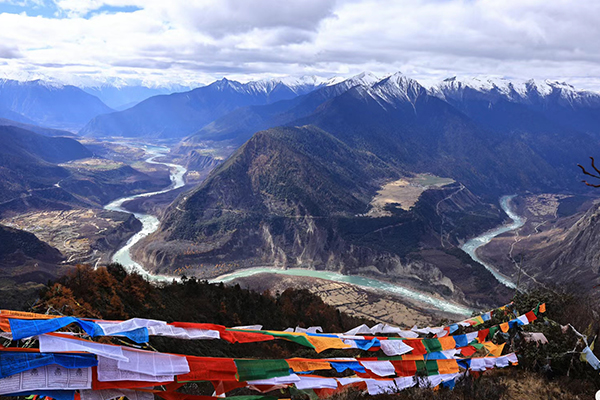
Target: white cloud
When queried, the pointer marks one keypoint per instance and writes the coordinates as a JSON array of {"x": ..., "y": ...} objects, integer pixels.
[{"x": 199, "y": 40}]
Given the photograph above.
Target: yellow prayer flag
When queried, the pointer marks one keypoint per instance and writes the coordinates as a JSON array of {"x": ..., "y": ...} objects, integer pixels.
[{"x": 494, "y": 349}]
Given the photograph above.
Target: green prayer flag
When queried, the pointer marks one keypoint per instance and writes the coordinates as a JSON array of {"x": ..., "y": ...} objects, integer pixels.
[
  {"x": 429, "y": 367},
  {"x": 493, "y": 331},
  {"x": 432, "y": 345},
  {"x": 250, "y": 370}
]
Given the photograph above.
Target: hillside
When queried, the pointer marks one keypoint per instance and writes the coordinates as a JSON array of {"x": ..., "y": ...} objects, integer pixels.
[
  {"x": 28, "y": 163},
  {"x": 25, "y": 264},
  {"x": 563, "y": 250},
  {"x": 244, "y": 215},
  {"x": 55, "y": 106}
]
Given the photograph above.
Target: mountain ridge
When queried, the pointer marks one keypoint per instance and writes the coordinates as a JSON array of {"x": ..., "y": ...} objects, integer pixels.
[{"x": 49, "y": 104}]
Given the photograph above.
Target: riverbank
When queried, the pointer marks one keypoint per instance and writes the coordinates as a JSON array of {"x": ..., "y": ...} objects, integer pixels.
[{"x": 351, "y": 299}]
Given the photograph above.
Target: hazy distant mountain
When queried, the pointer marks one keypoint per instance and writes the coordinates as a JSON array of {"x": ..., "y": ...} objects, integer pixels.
[
  {"x": 121, "y": 97},
  {"x": 49, "y": 104},
  {"x": 240, "y": 124},
  {"x": 6, "y": 113},
  {"x": 181, "y": 114},
  {"x": 36, "y": 129}
]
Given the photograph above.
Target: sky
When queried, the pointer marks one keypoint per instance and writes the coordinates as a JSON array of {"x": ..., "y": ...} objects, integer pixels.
[{"x": 193, "y": 42}]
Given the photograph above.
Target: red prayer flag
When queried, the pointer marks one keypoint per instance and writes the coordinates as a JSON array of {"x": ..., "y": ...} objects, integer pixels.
[
  {"x": 531, "y": 316},
  {"x": 417, "y": 345},
  {"x": 482, "y": 334},
  {"x": 405, "y": 367},
  {"x": 468, "y": 351},
  {"x": 209, "y": 369}
]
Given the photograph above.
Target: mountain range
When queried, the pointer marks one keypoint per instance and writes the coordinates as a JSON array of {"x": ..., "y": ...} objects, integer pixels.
[
  {"x": 181, "y": 114},
  {"x": 297, "y": 193},
  {"x": 312, "y": 156}
]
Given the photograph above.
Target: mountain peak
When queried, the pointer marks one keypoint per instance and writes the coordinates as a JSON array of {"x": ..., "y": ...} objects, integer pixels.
[{"x": 398, "y": 87}]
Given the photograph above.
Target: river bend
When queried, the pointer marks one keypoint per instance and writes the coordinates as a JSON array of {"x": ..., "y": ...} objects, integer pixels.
[{"x": 150, "y": 224}]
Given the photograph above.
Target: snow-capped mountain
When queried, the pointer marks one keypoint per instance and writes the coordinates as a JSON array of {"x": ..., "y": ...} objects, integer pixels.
[
  {"x": 240, "y": 124},
  {"x": 397, "y": 88},
  {"x": 121, "y": 97},
  {"x": 513, "y": 104},
  {"x": 523, "y": 91}
]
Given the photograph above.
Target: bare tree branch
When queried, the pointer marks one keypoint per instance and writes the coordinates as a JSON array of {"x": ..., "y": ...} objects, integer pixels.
[
  {"x": 591, "y": 174},
  {"x": 594, "y": 166}
]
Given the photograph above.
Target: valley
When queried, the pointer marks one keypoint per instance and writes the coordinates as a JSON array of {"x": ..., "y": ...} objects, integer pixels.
[
  {"x": 376, "y": 188},
  {"x": 299, "y": 200}
]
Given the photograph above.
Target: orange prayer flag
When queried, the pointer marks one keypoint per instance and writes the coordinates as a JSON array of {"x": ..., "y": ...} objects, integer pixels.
[
  {"x": 447, "y": 342},
  {"x": 504, "y": 327},
  {"x": 542, "y": 308},
  {"x": 4, "y": 325},
  {"x": 447, "y": 366},
  {"x": 302, "y": 365},
  {"x": 26, "y": 315},
  {"x": 322, "y": 343}
]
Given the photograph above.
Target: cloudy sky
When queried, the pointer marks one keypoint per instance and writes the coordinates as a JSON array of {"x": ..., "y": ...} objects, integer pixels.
[{"x": 197, "y": 41}]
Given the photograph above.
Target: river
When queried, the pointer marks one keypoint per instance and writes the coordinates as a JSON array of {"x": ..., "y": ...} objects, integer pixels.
[
  {"x": 150, "y": 224},
  {"x": 470, "y": 247}
]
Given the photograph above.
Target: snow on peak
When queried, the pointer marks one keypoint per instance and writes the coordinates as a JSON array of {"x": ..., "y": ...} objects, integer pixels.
[
  {"x": 398, "y": 87},
  {"x": 365, "y": 79},
  {"x": 515, "y": 90}
]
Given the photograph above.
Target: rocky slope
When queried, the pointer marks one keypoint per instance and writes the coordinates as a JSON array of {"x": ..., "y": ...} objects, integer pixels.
[{"x": 553, "y": 251}]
